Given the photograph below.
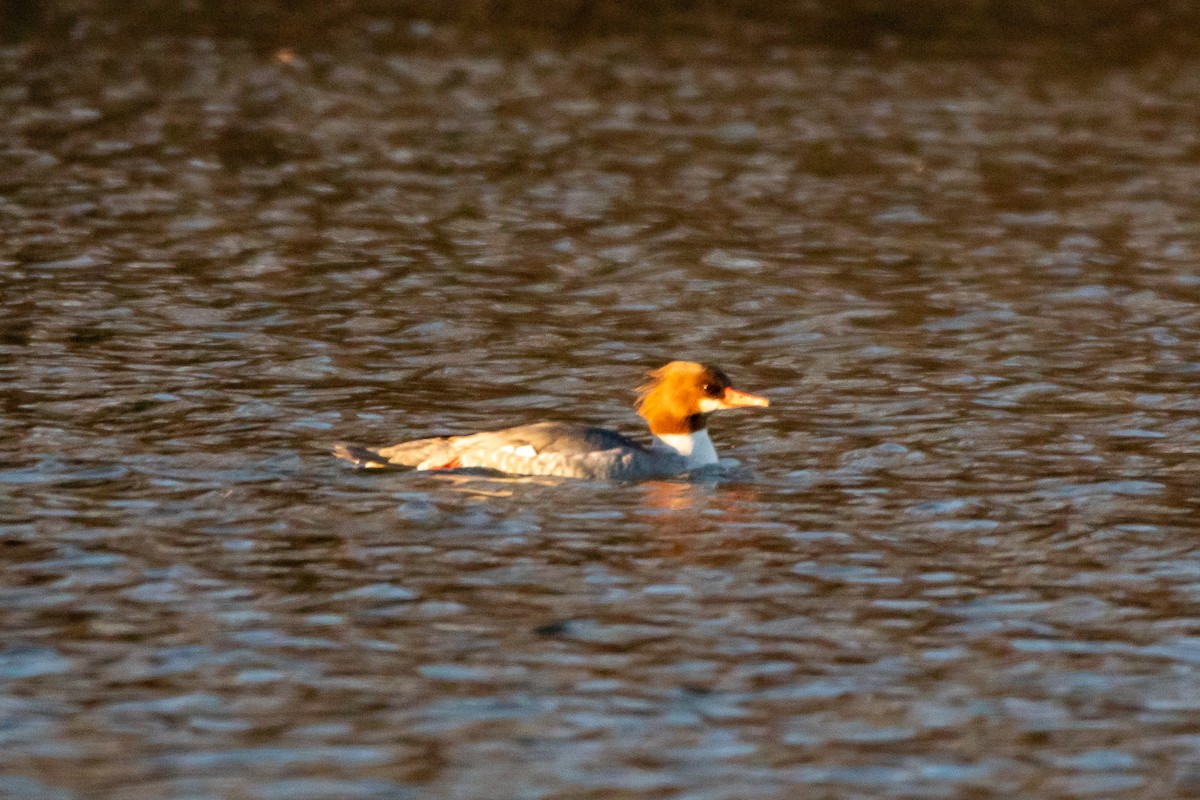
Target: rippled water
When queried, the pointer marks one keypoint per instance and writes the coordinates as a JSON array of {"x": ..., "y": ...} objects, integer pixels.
[{"x": 966, "y": 564}]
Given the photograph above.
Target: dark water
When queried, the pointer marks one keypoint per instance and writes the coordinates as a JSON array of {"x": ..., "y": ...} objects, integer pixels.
[{"x": 967, "y": 564}]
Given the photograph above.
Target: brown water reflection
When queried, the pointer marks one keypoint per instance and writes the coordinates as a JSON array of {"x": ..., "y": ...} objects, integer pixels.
[{"x": 962, "y": 562}]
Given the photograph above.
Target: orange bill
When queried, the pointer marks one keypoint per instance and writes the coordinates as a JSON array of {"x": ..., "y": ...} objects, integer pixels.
[{"x": 735, "y": 399}]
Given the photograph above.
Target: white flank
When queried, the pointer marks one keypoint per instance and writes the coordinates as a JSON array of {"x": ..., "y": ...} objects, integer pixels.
[
  {"x": 696, "y": 447},
  {"x": 525, "y": 450}
]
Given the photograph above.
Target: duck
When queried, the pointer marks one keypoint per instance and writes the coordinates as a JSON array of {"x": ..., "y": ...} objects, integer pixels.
[{"x": 675, "y": 403}]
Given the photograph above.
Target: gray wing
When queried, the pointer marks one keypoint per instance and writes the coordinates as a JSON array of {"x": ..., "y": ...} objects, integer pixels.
[
  {"x": 553, "y": 448},
  {"x": 552, "y": 438}
]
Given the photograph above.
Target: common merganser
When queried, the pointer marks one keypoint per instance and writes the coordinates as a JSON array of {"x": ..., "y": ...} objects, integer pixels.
[{"x": 675, "y": 403}]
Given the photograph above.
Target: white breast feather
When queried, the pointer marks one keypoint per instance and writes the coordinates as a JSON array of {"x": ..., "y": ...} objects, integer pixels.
[{"x": 696, "y": 447}]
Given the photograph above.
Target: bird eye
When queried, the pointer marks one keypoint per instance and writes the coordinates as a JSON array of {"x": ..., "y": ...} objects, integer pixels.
[{"x": 713, "y": 390}]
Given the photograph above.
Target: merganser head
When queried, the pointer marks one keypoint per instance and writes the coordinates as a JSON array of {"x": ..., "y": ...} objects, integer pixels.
[{"x": 681, "y": 395}]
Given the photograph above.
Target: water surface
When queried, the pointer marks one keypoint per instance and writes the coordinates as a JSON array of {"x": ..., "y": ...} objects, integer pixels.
[{"x": 965, "y": 564}]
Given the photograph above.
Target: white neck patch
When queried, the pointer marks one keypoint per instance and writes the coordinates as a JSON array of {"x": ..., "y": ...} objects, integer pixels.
[{"x": 696, "y": 447}]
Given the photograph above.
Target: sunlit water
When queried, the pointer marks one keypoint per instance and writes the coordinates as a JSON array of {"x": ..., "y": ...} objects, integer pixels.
[{"x": 963, "y": 562}]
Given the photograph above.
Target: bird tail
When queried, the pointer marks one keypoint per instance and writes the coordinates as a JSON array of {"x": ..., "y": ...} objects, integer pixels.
[
  {"x": 435, "y": 453},
  {"x": 361, "y": 457}
]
